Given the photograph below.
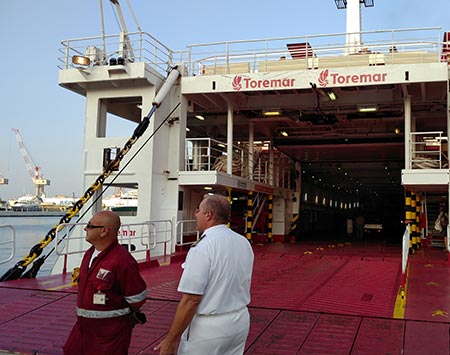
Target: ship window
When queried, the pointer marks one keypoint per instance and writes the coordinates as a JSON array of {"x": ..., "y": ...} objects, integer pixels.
[
  {"x": 119, "y": 127},
  {"x": 118, "y": 116},
  {"x": 180, "y": 200}
]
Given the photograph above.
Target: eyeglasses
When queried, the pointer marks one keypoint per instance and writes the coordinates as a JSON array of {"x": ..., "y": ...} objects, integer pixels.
[{"x": 91, "y": 226}]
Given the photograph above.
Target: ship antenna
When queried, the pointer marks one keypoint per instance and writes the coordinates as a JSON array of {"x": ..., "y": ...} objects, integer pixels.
[
  {"x": 103, "y": 27},
  {"x": 134, "y": 16}
]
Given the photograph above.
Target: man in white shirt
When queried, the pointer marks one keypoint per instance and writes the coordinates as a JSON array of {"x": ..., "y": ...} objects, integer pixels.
[{"x": 212, "y": 316}]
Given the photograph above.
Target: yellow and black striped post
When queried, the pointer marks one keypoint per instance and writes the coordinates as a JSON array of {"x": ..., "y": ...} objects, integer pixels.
[
  {"x": 269, "y": 218},
  {"x": 413, "y": 221},
  {"x": 418, "y": 213},
  {"x": 408, "y": 217},
  {"x": 228, "y": 189},
  {"x": 249, "y": 225},
  {"x": 294, "y": 227}
]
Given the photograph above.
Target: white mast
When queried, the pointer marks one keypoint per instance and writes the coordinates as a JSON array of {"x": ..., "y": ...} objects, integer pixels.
[{"x": 353, "y": 28}]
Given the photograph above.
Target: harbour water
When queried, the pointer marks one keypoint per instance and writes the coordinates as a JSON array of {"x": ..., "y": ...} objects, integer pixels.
[{"x": 28, "y": 232}]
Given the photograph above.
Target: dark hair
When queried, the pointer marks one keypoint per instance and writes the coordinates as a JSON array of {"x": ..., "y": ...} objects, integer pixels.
[{"x": 219, "y": 206}]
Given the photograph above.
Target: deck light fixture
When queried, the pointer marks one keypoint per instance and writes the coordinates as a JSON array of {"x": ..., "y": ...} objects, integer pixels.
[
  {"x": 284, "y": 133},
  {"x": 367, "y": 108},
  {"x": 81, "y": 60},
  {"x": 332, "y": 96},
  {"x": 271, "y": 113},
  {"x": 200, "y": 117}
]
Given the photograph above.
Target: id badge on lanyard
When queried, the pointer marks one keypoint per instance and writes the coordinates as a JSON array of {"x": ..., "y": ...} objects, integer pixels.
[{"x": 99, "y": 298}]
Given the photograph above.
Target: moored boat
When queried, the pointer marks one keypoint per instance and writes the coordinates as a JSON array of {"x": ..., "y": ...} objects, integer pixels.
[
  {"x": 57, "y": 203},
  {"x": 25, "y": 203}
]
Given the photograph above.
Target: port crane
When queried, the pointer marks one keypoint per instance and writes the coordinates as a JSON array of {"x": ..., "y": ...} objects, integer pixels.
[
  {"x": 3, "y": 180},
  {"x": 35, "y": 173}
]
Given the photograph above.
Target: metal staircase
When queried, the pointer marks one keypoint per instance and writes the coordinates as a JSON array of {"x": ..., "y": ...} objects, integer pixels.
[{"x": 433, "y": 202}]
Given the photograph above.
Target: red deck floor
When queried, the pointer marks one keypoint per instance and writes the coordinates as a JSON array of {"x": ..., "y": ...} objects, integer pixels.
[{"x": 306, "y": 299}]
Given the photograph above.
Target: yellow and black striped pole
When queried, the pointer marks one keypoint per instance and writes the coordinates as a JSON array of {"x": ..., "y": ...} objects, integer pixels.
[
  {"x": 294, "y": 227},
  {"x": 228, "y": 189},
  {"x": 418, "y": 229},
  {"x": 269, "y": 218},
  {"x": 249, "y": 226},
  {"x": 413, "y": 221},
  {"x": 408, "y": 217}
]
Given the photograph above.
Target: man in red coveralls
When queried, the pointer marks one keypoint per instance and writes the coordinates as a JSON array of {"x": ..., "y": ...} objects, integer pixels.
[{"x": 110, "y": 292}]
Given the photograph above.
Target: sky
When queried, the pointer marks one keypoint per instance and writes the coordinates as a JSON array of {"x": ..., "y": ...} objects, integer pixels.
[{"x": 51, "y": 119}]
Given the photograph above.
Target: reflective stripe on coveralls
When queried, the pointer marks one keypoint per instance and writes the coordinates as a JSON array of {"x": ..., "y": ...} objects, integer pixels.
[
  {"x": 136, "y": 298},
  {"x": 86, "y": 313}
]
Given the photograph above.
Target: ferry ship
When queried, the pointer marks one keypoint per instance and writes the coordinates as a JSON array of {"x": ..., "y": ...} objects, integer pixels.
[
  {"x": 302, "y": 134},
  {"x": 32, "y": 206},
  {"x": 25, "y": 203}
]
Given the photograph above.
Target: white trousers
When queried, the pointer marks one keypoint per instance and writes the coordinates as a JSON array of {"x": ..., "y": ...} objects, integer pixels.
[{"x": 223, "y": 334}]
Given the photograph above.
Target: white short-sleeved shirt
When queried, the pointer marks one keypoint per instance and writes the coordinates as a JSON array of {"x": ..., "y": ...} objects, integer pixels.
[{"x": 219, "y": 268}]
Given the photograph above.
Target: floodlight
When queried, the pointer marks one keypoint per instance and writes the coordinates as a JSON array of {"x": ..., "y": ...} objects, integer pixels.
[{"x": 81, "y": 60}]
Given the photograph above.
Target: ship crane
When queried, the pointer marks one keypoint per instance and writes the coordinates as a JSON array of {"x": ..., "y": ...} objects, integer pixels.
[{"x": 36, "y": 176}]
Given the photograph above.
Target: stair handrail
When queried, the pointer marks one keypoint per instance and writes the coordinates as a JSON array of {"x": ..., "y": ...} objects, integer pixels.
[
  {"x": 405, "y": 254},
  {"x": 258, "y": 206}
]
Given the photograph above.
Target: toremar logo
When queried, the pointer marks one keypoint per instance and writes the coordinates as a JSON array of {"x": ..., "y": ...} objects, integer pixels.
[
  {"x": 323, "y": 78},
  {"x": 240, "y": 83},
  {"x": 326, "y": 78},
  {"x": 237, "y": 83}
]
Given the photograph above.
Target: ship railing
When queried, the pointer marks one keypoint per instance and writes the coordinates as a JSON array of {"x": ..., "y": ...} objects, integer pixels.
[
  {"x": 244, "y": 56},
  {"x": 428, "y": 150},
  {"x": 7, "y": 242},
  {"x": 162, "y": 235},
  {"x": 131, "y": 47},
  {"x": 316, "y": 51},
  {"x": 140, "y": 239},
  {"x": 186, "y": 232},
  {"x": 207, "y": 154}
]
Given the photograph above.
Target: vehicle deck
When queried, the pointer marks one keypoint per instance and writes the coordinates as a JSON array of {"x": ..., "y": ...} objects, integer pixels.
[{"x": 307, "y": 298}]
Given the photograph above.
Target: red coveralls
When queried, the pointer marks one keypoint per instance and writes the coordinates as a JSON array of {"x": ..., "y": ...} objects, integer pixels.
[{"x": 105, "y": 329}]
